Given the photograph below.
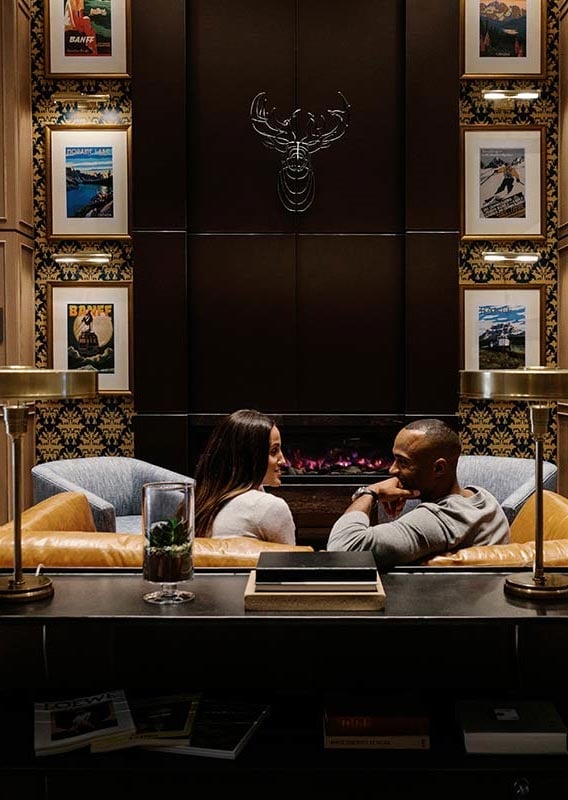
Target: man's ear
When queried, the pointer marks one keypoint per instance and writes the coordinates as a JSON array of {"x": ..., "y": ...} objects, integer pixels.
[{"x": 440, "y": 466}]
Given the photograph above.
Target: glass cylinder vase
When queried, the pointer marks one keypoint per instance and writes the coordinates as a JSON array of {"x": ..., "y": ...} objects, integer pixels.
[{"x": 168, "y": 514}]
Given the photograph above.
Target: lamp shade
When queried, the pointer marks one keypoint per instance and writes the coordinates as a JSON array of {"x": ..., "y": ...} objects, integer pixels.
[
  {"x": 21, "y": 384},
  {"x": 528, "y": 383}
]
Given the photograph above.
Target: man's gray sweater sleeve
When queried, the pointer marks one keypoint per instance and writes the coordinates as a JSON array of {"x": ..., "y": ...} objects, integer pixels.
[
  {"x": 414, "y": 536},
  {"x": 454, "y": 521}
]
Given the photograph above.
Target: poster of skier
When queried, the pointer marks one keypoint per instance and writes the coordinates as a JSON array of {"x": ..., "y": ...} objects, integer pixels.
[
  {"x": 501, "y": 182},
  {"x": 503, "y": 194}
]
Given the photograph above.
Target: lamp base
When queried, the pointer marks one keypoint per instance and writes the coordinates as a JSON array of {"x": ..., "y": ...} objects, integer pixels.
[
  {"x": 35, "y": 587},
  {"x": 552, "y": 587}
]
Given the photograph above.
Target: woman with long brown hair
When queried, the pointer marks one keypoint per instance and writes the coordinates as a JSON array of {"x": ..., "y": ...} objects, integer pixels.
[{"x": 243, "y": 454}]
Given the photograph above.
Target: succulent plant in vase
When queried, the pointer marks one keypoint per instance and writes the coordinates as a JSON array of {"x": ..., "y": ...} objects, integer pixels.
[{"x": 167, "y": 557}]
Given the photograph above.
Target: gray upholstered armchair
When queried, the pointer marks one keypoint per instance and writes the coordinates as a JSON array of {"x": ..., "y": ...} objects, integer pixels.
[
  {"x": 510, "y": 480},
  {"x": 112, "y": 484}
]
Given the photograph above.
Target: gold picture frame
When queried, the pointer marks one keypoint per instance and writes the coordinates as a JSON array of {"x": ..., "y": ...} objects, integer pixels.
[
  {"x": 90, "y": 327},
  {"x": 503, "y": 180},
  {"x": 88, "y": 181},
  {"x": 508, "y": 44},
  {"x": 503, "y": 325},
  {"x": 87, "y": 38}
]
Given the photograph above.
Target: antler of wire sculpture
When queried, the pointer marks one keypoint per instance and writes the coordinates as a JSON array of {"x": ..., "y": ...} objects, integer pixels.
[{"x": 297, "y": 143}]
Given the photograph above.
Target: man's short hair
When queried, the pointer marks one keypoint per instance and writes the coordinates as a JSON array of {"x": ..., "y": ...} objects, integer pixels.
[{"x": 444, "y": 441}]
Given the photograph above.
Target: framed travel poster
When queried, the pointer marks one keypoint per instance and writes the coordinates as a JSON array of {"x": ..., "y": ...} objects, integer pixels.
[
  {"x": 88, "y": 181},
  {"x": 503, "y": 189},
  {"x": 87, "y": 38},
  {"x": 505, "y": 39},
  {"x": 503, "y": 326},
  {"x": 90, "y": 328}
]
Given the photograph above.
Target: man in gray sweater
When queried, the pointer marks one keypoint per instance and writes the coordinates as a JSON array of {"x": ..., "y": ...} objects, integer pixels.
[{"x": 448, "y": 517}]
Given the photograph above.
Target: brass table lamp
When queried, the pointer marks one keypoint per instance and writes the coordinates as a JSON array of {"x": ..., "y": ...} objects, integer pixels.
[
  {"x": 20, "y": 387},
  {"x": 540, "y": 387}
]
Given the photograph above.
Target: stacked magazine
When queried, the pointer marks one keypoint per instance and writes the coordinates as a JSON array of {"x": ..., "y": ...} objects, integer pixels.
[
  {"x": 184, "y": 723},
  {"x": 69, "y": 724}
]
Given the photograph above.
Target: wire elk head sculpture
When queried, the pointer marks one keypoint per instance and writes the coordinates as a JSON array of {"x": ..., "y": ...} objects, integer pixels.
[{"x": 298, "y": 139}]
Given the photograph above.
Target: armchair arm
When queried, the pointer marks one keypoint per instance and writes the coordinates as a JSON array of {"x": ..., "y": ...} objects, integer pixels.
[
  {"x": 103, "y": 511},
  {"x": 512, "y": 504},
  {"x": 515, "y": 501}
]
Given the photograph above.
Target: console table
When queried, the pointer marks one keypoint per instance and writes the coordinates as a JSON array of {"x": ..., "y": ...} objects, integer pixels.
[{"x": 442, "y": 634}]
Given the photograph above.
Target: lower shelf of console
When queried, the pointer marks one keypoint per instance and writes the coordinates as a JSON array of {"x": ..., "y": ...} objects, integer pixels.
[{"x": 284, "y": 759}]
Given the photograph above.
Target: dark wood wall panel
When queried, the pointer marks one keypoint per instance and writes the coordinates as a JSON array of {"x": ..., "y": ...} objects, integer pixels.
[
  {"x": 160, "y": 314},
  {"x": 432, "y": 338},
  {"x": 350, "y": 323},
  {"x": 432, "y": 118},
  {"x": 242, "y": 323},
  {"x": 272, "y": 309},
  {"x": 163, "y": 439},
  {"x": 237, "y": 48},
  {"x": 159, "y": 97},
  {"x": 356, "y": 48}
]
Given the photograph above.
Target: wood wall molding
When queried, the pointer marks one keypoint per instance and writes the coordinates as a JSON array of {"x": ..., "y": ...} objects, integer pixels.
[
  {"x": 16, "y": 219},
  {"x": 563, "y": 244},
  {"x": 16, "y": 211}
]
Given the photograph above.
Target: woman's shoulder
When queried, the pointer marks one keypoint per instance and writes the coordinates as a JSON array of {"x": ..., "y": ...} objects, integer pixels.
[{"x": 258, "y": 497}]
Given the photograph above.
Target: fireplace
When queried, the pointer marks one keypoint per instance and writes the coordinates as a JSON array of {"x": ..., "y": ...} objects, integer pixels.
[
  {"x": 348, "y": 449},
  {"x": 337, "y": 454}
]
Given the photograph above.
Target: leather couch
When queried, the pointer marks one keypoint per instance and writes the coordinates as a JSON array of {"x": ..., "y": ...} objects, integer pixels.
[
  {"x": 520, "y": 550},
  {"x": 60, "y": 532}
]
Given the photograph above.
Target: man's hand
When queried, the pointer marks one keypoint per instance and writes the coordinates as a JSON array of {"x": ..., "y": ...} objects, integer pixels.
[{"x": 392, "y": 496}]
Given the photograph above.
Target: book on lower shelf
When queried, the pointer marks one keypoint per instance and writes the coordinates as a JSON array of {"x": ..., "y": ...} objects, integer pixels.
[
  {"x": 376, "y": 723},
  {"x": 511, "y": 726},
  {"x": 71, "y": 723},
  {"x": 221, "y": 728},
  {"x": 158, "y": 719}
]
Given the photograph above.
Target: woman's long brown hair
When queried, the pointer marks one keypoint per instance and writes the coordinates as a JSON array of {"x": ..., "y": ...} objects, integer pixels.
[{"x": 234, "y": 461}]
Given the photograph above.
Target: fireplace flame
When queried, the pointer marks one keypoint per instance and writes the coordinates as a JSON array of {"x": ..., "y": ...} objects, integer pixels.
[{"x": 336, "y": 460}]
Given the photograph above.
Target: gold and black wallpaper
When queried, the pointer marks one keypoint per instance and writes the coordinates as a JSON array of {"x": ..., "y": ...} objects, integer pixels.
[
  {"x": 502, "y": 429},
  {"x": 74, "y": 428}
]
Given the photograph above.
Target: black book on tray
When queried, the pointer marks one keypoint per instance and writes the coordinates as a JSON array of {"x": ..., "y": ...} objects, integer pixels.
[
  {"x": 320, "y": 581},
  {"x": 319, "y": 571}
]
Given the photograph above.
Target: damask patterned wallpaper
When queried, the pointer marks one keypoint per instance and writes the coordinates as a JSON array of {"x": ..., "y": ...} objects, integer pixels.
[
  {"x": 104, "y": 426},
  {"x": 74, "y": 428},
  {"x": 502, "y": 429}
]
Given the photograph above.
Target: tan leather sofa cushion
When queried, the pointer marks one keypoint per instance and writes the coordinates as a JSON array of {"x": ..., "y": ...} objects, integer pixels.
[
  {"x": 86, "y": 549},
  {"x": 238, "y": 551},
  {"x": 67, "y": 511},
  {"x": 515, "y": 554},
  {"x": 73, "y": 549},
  {"x": 60, "y": 532},
  {"x": 555, "y": 515}
]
